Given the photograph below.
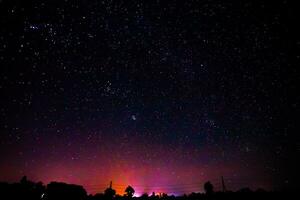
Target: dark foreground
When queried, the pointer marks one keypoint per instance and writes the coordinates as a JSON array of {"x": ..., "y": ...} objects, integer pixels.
[{"x": 28, "y": 190}]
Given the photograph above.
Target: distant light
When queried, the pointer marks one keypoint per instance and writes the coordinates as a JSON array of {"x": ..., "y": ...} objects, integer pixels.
[{"x": 137, "y": 194}]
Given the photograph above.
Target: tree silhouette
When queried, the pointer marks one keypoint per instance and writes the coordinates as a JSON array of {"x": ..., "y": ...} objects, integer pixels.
[
  {"x": 145, "y": 196},
  {"x": 24, "y": 180},
  {"x": 58, "y": 190},
  {"x": 26, "y": 189},
  {"x": 209, "y": 188},
  {"x": 129, "y": 191},
  {"x": 110, "y": 192}
]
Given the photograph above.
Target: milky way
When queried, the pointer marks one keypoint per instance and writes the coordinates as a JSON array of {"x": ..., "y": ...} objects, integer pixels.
[{"x": 161, "y": 95}]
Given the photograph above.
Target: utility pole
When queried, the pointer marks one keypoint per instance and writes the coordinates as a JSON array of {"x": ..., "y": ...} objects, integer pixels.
[
  {"x": 223, "y": 184},
  {"x": 110, "y": 185}
]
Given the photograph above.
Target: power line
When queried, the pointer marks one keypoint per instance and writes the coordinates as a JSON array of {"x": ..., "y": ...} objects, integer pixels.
[{"x": 178, "y": 188}]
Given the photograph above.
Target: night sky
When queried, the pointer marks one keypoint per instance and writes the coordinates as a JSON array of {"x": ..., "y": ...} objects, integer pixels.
[{"x": 161, "y": 95}]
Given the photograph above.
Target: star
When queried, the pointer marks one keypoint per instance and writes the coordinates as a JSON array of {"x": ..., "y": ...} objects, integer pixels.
[{"x": 133, "y": 117}]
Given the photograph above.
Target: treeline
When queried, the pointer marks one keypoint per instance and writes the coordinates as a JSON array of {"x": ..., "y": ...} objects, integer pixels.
[{"x": 29, "y": 190}]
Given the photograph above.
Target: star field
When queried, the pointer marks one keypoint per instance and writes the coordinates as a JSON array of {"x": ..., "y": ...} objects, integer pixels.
[{"x": 158, "y": 94}]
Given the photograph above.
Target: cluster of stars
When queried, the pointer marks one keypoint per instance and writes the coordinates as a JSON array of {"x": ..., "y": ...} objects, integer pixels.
[{"x": 112, "y": 85}]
